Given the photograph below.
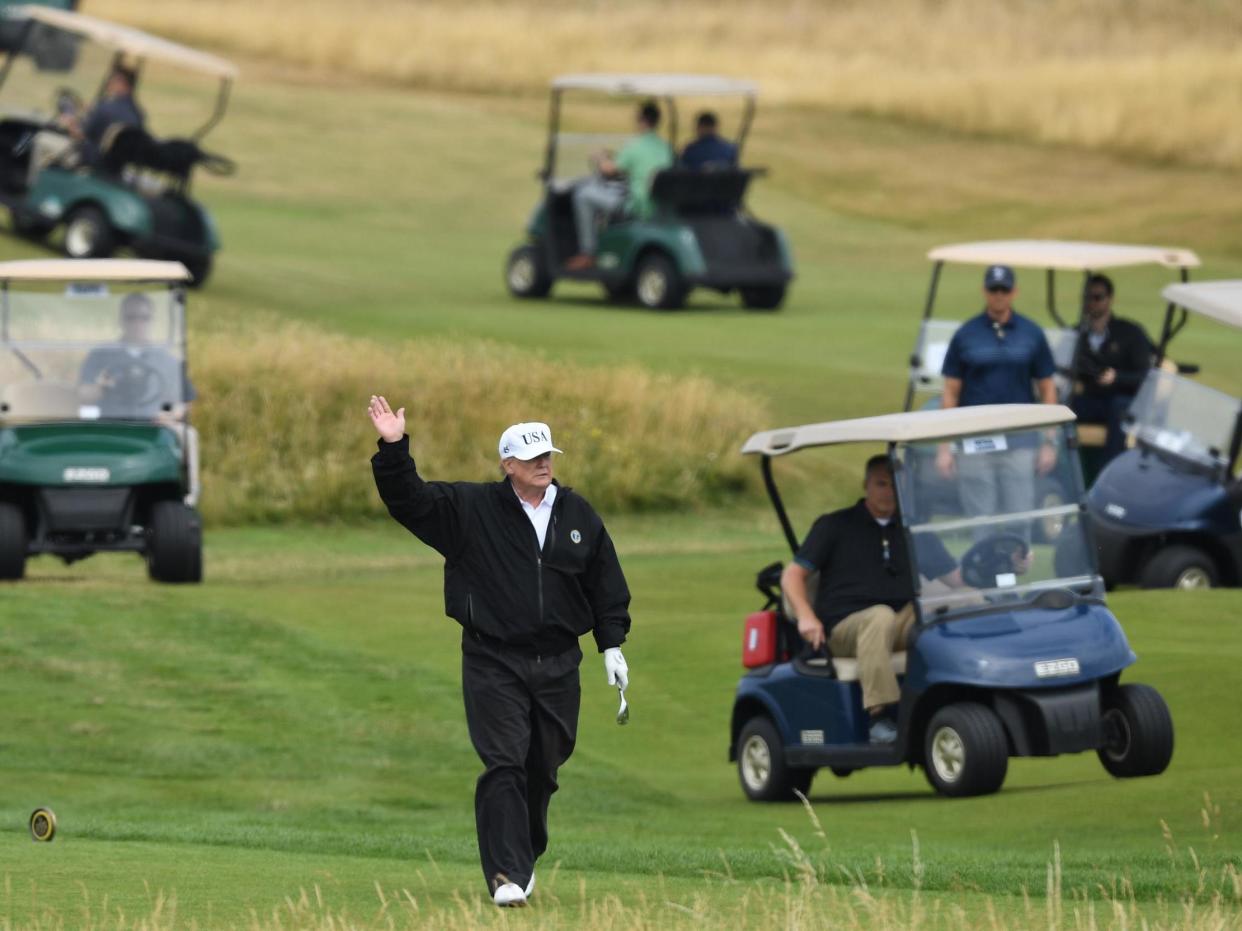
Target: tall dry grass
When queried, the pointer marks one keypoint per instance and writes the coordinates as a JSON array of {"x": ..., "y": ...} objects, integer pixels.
[
  {"x": 1156, "y": 78},
  {"x": 282, "y": 415}
]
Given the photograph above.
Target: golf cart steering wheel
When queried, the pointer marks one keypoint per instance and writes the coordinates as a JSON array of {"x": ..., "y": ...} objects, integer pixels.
[
  {"x": 996, "y": 555},
  {"x": 135, "y": 384},
  {"x": 66, "y": 101}
]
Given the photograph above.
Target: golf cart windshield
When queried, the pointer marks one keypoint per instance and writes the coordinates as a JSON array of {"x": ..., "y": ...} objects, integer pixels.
[
  {"x": 1185, "y": 419},
  {"x": 92, "y": 352},
  {"x": 995, "y": 528}
]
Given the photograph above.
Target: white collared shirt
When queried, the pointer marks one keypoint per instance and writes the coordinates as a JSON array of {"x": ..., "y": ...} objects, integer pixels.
[{"x": 539, "y": 516}]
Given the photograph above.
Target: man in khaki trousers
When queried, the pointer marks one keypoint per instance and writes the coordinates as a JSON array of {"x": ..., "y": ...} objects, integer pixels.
[{"x": 863, "y": 606}]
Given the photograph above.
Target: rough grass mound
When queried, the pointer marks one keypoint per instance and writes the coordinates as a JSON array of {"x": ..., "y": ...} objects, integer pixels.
[{"x": 285, "y": 433}]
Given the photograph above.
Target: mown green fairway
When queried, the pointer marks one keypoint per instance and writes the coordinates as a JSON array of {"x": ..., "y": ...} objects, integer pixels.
[{"x": 296, "y": 721}]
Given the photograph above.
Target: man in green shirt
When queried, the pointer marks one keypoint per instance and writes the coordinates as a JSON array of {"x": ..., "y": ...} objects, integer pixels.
[{"x": 624, "y": 180}]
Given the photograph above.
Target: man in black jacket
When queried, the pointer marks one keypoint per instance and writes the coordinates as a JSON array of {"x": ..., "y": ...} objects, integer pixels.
[
  {"x": 528, "y": 568},
  {"x": 1110, "y": 362}
]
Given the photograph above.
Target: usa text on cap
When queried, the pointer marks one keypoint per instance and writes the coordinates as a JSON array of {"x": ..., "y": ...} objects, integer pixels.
[{"x": 526, "y": 441}]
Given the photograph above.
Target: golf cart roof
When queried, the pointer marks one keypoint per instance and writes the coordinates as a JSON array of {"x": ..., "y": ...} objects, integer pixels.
[
  {"x": 910, "y": 427},
  {"x": 657, "y": 85},
  {"x": 1220, "y": 300},
  {"x": 1060, "y": 254},
  {"x": 129, "y": 41},
  {"x": 93, "y": 270}
]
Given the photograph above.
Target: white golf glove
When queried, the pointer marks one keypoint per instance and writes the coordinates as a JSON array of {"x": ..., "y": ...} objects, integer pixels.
[{"x": 614, "y": 665}]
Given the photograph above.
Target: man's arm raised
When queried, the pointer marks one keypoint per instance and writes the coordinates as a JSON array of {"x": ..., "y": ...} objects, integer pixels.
[{"x": 429, "y": 510}]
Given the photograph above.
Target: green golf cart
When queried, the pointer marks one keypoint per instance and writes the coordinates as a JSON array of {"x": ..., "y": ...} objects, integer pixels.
[
  {"x": 698, "y": 234},
  {"x": 127, "y": 191},
  {"x": 96, "y": 450}
]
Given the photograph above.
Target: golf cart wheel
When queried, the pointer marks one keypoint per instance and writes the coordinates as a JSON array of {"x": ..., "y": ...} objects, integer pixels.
[
  {"x": 175, "y": 547},
  {"x": 761, "y": 766},
  {"x": 13, "y": 542},
  {"x": 29, "y": 226},
  {"x": 526, "y": 275},
  {"x": 1180, "y": 566},
  {"x": 620, "y": 293},
  {"x": 657, "y": 283},
  {"x": 199, "y": 268},
  {"x": 764, "y": 298},
  {"x": 1138, "y": 732},
  {"x": 965, "y": 750},
  {"x": 89, "y": 235}
]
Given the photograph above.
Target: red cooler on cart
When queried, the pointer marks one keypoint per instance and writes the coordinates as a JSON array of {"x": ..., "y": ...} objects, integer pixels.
[{"x": 759, "y": 639}]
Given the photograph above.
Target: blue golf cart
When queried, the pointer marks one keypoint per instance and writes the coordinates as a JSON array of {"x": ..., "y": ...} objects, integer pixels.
[
  {"x": 1167, "y": 513},
  {"x": 1021, "y": 658}
]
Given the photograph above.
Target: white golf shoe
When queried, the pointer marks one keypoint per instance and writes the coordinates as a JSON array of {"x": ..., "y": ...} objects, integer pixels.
[
  {"x": 510, "y": 895},
  {"x": 530, "y": 886}
]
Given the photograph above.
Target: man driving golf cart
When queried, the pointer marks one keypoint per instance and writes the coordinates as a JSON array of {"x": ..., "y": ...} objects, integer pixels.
[
  {"x": 623, "y": 182},
  {"x": 1024, "y": 659},
  {"x": 96, "y": 450},
  {"x": 75, "y": 153},
  {"x": 680, "y": 228}
]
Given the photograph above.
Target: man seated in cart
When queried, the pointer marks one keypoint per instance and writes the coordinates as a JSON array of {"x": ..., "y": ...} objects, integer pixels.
[
  {"x": 623, "y": 181},
  {"x": 864, "y": 605}
]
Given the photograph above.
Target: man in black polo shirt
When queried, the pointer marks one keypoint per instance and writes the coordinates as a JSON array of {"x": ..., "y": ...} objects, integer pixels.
[
  {"x": 1111, "y": 360},
  {"x": 864, "y": 604}
]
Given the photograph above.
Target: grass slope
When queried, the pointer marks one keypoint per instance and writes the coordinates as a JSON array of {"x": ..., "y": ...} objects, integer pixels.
[{"x": 298, "y": 720}]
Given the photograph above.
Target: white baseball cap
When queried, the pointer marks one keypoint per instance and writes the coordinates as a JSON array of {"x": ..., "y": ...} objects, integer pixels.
[{"x": 526, "y": 441}]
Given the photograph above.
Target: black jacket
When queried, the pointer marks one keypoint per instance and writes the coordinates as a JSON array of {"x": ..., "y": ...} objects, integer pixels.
[
  {"x": 498, "y": 584},
  {"x": 1125, "y": 349}
]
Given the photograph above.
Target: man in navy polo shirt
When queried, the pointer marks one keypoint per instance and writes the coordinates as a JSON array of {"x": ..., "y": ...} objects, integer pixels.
[
  {"x": 708, "y": 150},
  {"x": 998, "y": 357}
]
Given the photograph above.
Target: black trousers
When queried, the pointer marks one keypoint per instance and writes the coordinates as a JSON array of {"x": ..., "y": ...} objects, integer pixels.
[{"x": 522, "y": 712}]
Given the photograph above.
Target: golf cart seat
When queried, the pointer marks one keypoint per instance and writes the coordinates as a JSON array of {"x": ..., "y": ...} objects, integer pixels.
[
  {"x": 39, "y": 400},
  {"x": 845, "y": 668},
  {"x": 692, "y": 190}
]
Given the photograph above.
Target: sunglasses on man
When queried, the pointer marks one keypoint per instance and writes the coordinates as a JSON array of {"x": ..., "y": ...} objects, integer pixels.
[{"x": 999, "y": 289}]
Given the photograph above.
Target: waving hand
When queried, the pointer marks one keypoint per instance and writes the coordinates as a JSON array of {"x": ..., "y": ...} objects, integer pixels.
[{"x": 390, "y": 426}]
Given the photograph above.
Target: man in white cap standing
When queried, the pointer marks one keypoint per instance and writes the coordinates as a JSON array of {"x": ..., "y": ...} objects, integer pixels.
[{"x": 528, "y": 569}]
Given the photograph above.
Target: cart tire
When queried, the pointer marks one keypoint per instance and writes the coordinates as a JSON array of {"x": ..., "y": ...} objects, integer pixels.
[
  {"x": 89, "y": 235},
  {"x": 1138, "y": 732},
  {"x": 764, "y": 298},
  {"x": 175, "y": 548},
  {"x": 620, "y": 293},
  {"x": 761, "y": 766},
  {"x": 965, "y": 750},
  {"x": 199, "y": 268},
  {"x": 658, "y": 283},
  {"x": 29, "y": 227},
  {"x": 526, "y": 274},
  {"x": 1180, "y": 566},
  {"x": 13, "y": 542}
]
